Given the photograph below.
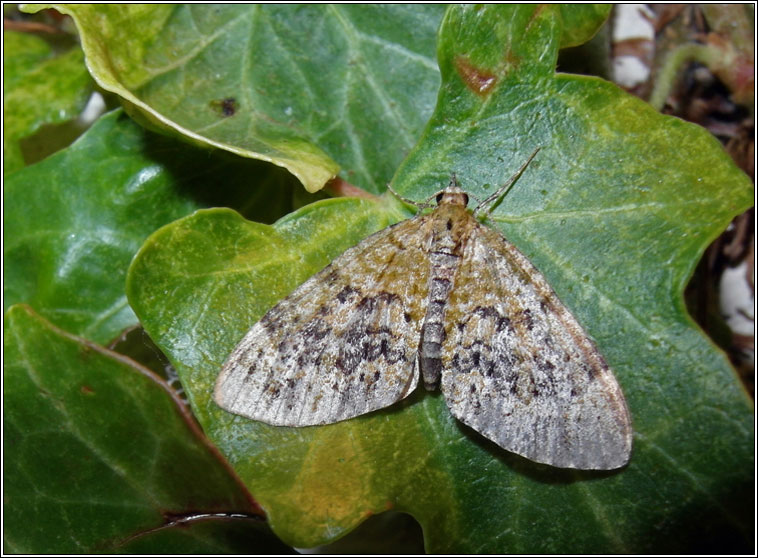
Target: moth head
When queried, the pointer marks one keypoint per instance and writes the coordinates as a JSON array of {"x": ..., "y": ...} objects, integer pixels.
[{"x": 453, "y": 194}]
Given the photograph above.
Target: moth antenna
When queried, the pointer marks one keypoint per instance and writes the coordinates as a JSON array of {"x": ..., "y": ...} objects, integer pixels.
[
  {"x": 500, "y": 192},
  {"x": 478, "y": 200},
  {"x": 418, "y": 205}
]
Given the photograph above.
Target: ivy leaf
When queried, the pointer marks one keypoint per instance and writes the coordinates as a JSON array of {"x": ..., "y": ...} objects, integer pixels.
[
  {"x": 612, "y": 211},
  {"x": 74, "y": 221},
  {"x": 207, "y": 534},
  {"x": 307, "y": 87},
  {"x": 99, "y": 452},
  {"x": 39, "y": 88},
  {"x": 581, "y": 22}
]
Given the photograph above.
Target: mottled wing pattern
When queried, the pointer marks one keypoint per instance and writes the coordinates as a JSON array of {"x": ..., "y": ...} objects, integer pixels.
[
  {"x": 519, "y": 369},
  {"x": 342, "y": 344}
]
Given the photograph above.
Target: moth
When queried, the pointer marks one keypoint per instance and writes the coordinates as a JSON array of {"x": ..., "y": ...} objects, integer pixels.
[{"x": 443, "y": 299}]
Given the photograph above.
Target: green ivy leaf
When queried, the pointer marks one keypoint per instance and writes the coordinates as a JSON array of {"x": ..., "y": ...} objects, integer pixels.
[
  {"x": 207, "y": 534},
  {"x": 39, "y": 88},
  {"x": 580, "y": 22},
  {"x": 22, "y": 52},
  {"x": 613, "y": 211},
  {"x": 98, "y": 451},
  {"x": 307, "y": 87},
  {"x": 74, "y": 221}
]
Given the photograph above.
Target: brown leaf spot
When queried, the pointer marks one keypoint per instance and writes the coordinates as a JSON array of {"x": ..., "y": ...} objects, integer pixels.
[
  {"x": 512, "y": 61},
  {"x": 226, "y": 106},
  {"x": 479, "y": 80}
]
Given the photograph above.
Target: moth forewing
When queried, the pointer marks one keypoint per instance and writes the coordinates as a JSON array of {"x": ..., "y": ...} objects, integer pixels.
[
  {"x": 519, "y": 368},
  {"x": 341, "y": 345}
]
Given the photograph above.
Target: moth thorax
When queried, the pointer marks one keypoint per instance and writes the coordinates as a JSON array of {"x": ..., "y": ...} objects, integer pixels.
[{"x": 452, "y": 195}]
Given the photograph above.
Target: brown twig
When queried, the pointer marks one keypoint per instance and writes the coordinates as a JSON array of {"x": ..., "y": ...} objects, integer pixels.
[{"x": 29, "y": 27}]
